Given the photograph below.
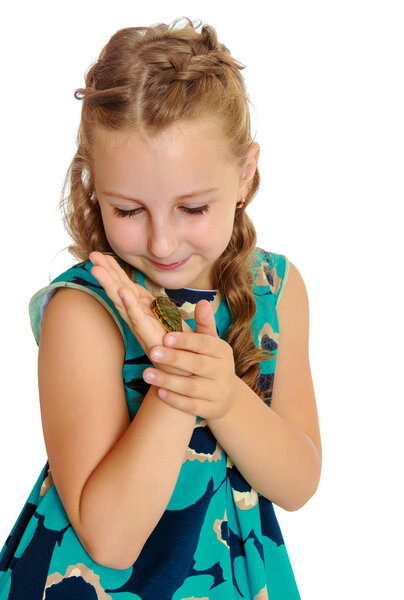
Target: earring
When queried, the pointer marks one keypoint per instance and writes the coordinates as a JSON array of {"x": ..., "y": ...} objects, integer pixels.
[{"x": 241, "y": 203}]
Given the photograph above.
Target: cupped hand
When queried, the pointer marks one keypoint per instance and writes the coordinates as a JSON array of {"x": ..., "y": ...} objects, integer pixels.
[
  {"x": 210, "y": 391},
  {"x": 132, "y": 302}
]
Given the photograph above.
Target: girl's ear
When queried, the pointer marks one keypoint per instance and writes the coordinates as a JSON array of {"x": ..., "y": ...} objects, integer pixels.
[{"x": 249, "y": 169}]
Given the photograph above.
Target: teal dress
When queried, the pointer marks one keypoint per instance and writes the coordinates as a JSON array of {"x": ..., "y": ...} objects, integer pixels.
[{"x": 218, "y": 539}]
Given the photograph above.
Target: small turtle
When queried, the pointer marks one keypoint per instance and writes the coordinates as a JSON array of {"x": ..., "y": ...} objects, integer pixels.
[{"x": 167, "y": 313}]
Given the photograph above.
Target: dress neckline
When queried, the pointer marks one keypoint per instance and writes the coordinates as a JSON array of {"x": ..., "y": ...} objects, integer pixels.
[
  {"x": 184, "y": 298},
  {"x": 198, "y": 290}
]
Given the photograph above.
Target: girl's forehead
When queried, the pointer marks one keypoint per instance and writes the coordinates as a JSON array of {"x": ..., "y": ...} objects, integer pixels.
[
  {"x": 183, "y": 135},
  {"x": 182, "y": 158}
]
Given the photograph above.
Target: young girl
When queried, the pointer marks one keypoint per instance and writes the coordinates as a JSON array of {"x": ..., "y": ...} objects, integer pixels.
[{"x": 166, "y": 451}]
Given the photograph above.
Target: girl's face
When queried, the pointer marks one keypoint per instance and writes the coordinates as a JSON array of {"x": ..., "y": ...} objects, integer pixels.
[{"x": 170, "y": 198}]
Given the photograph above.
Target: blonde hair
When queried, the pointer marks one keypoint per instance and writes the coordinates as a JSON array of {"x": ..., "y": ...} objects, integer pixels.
[{"x": 148, "y": 78}]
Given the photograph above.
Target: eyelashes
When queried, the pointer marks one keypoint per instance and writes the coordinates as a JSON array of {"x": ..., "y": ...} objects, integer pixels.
[{"x": 200, "y": 210}]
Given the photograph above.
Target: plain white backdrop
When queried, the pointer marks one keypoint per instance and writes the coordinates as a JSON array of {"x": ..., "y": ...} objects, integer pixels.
[{"x": 326, "y": 81}]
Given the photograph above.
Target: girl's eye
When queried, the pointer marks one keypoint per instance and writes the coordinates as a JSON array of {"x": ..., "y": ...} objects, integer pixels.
[
  {"x": 126, "y": 213},
  {"x": 200, "y": 210}
]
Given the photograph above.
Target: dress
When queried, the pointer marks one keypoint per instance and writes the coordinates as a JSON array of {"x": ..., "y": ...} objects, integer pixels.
[{"x": 217, "y": 539}]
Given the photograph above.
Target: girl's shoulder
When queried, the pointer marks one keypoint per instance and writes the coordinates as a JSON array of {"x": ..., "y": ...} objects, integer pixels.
[
  {"x": 271, "y": 272},
  {"x": 77, "y": 277}
]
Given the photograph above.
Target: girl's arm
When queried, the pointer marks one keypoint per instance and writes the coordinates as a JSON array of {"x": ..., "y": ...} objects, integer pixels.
[
  {"x": 278, "y": 449},
  {"x": 115, "y": 478}
]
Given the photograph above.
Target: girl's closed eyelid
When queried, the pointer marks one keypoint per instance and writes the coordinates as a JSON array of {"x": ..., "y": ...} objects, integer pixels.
[
  {"x": 125, "y": 213},
  {"x": 134, "y": 211}
]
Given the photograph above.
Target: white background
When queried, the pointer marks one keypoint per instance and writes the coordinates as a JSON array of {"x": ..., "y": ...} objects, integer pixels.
[{"x": 326, "y": 80}]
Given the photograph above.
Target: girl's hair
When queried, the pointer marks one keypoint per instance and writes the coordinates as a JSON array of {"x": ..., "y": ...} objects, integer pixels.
[{"x": 149, "y": 78}]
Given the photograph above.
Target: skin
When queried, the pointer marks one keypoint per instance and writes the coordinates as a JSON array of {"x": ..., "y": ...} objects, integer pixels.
[
  {"x": 189, "y": 156},
  {"x": 206, "y": 387},
  {"x": 103, "y": 463},
  {"x": 146, "y": 169}
]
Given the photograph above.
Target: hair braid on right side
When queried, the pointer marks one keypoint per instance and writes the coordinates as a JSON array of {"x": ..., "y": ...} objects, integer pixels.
[{"x": 233, "y": 276}]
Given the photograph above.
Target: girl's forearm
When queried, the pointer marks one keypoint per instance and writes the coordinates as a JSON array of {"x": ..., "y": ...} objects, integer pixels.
[
  {"x": 276, "y": 458},
  {"x": 126, "y": 495}
]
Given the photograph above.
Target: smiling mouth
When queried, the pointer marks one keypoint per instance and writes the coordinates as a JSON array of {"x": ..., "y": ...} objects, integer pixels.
[{"x": 169, "y": 266}]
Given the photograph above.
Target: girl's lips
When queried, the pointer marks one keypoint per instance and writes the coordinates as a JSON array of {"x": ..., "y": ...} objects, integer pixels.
[{"x": 169, "y": 267}]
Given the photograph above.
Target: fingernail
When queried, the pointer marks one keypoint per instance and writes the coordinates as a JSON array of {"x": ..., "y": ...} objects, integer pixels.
[
  {"x": 157, "y": 354},
  {"x": 149, "y": 376},
  {"x": 169, "y": 340}
]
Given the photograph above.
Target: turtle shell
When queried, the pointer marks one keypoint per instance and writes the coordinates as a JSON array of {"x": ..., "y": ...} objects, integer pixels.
[{"x": 167, "y": 313}]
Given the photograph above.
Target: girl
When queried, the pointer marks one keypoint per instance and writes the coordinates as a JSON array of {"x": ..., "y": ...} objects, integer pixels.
[{"x": 166, "y": 451}]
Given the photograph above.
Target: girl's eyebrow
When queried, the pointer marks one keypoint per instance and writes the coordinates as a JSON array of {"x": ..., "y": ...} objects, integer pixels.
[{"x": 178, "y": 198}]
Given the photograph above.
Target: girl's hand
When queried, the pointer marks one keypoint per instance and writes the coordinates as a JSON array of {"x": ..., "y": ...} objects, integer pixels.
[
  {"x": 133, "y": 303},
  {"x": 209, "y": 392}
]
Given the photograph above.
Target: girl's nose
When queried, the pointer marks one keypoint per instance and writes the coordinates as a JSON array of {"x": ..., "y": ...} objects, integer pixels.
[{"x": 162, "y": 241}]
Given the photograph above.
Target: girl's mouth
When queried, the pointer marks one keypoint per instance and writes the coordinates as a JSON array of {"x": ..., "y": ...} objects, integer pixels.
[{"x": 169, "y": 267}]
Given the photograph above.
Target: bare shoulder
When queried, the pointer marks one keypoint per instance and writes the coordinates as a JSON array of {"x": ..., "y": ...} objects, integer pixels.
[
  {"x": 293, "y": 394},
  {"x": 82, "y": 397},
  {"x": 69, "y": 306}
]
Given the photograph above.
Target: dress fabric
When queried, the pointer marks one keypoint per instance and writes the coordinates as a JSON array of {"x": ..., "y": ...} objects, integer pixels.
[{"x": 218, "y": 539}]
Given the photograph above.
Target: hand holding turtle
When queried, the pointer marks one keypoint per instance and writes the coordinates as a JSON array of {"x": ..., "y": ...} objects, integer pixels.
[
  {"x": 133, "y": 302},
  {"x": 210, "y": 391}
]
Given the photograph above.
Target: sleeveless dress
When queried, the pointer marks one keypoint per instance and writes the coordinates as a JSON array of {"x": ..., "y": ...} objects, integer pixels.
[{"x": 218, "y": 539}]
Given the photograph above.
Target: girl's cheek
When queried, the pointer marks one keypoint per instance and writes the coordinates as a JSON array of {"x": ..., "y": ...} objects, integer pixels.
[{"x": 121, "y": 235}]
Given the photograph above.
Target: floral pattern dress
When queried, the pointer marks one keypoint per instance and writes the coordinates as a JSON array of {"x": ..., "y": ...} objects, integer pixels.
[{"x": 218, "y": 539}]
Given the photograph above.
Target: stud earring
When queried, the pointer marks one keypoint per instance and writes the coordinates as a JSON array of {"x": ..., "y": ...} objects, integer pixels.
[{"x": 241, "y": 203}]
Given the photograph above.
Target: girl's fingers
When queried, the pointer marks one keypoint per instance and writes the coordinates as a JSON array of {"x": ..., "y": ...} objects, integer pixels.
[
  {"x": 117, "y": 270},
  {"x": 132, "y": 308},
  {"x": 99, "y": 259},
  {"x": 106, "y": 280},
  {"x": 110, "y": 275},
  {"x": 95, "y": 257},
  {"x": 121, "y": 277},
  {"x": 204, "y": 319},
  {"x": 109, "y": 264},
  {"x": 104, "y": 277},
  {"x": 208, "y": 345},
  {"x": 201, "y": 366},
  {"x": 182, "y": 403},
  {"x": 122, "y": 291},
  {"x": 193, "y": 386},
  {"x": 186, "y": 327}
]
